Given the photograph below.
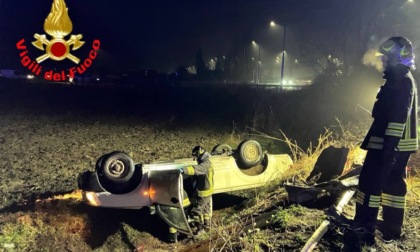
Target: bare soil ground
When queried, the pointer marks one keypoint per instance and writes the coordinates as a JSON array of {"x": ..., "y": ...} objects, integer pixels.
[{"x": 50, "y": 135}]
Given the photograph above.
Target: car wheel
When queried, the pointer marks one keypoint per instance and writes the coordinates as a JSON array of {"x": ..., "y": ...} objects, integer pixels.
[
  {"x": 221, "y": 149},
  {"x": 99, "y": 162},
  {"x": 116, "y": 167},
  {"x": 250, "y": 153}
]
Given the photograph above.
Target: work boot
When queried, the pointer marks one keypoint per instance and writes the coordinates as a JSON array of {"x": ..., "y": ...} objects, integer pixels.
[
  {"x": 173, "y": 237},
  {"x": 199, "y": 227},
  {"x": 388, "y": 236},
  {"x": 200, "y": 233}
]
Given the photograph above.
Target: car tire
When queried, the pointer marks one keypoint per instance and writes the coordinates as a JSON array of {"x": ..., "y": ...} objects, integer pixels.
[
  {"x": 221, "y": 149},
  {"x": 116, "y": 167},
  {"x": 249, "y": 153},
  {"x": 99, "y": 162}
]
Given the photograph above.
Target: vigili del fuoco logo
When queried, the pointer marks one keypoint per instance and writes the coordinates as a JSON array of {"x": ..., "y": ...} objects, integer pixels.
[{"x": 58, "y": 26}]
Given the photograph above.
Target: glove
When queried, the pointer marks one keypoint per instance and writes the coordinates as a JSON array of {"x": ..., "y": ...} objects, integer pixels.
[{"x": 181, "y": 170}]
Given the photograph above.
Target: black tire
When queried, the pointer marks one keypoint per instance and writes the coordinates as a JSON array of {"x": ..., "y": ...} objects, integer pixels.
[
  {"x": 249, "y": 153},
  {"x": 99, "y": 162},
  {"x": 221, "y": 149},
  {"x": 116, "y": 167}
]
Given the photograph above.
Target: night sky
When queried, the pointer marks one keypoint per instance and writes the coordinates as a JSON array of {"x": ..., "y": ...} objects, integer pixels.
[{"x": 164, "y": 34}]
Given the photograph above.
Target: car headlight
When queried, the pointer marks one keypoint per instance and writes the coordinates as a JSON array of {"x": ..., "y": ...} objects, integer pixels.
[{"x": 91, "y": 198}]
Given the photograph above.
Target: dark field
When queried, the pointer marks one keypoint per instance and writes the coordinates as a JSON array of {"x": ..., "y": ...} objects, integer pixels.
[{"x": 51, "y": 132}]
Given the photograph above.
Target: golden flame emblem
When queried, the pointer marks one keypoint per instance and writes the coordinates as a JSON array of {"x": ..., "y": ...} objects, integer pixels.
[{"x": 58, "y": 25}]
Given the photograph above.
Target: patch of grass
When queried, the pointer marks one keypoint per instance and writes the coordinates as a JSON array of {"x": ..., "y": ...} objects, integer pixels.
[
  {"x": 60, "y": 227},
  {"x": 258, "y": 240},
  {"x": 54, "y": 225},
  {"x": 284, "y": 216},
  {"x": 20, "y": 235}
]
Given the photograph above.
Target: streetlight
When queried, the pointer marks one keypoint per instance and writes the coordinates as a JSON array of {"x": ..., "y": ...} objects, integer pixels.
[
  {"x": 273, "y": 24},
  {"x": 259, "y": 60},
  {"x": 282, "y": 57},
  {"x": 259, "y": 65}
]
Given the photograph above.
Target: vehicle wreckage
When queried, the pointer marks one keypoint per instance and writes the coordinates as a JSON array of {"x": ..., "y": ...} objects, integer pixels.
[
  {"x": 328, "y": 178},
  {"x": 118, "y": 182}
]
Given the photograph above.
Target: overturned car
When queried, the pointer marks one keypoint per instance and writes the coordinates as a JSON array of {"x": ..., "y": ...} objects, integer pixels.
[{"x": 118, "y": 182}]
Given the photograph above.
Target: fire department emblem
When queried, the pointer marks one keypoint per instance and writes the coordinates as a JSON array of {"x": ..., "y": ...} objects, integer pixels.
[{"x": 58, "y": 25}]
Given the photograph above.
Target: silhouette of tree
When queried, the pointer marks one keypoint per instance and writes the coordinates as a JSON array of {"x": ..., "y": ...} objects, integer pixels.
[
  {"x": 182, "y": 73},
  {"x": 200, "y": 65},
  {"x": 219, "y": 71},
  {"x": 346, "y": 36}
]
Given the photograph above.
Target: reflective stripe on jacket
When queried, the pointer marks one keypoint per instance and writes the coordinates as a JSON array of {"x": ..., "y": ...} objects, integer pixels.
[
  {"x": 203, "y": 173},
  {"x": 395, "y": 114}
]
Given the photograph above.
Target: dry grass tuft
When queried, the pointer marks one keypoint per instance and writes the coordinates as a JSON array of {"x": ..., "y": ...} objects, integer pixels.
[{"x": 303, "y": 160}]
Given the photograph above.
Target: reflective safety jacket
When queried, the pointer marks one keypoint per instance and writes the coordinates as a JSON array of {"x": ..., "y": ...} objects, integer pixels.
[
  {"x": 395, "y": 114},
  {"x": 203, "y": 175}
]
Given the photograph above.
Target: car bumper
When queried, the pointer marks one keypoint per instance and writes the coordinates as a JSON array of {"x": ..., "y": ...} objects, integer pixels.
[{"x": 95, "y": 195}]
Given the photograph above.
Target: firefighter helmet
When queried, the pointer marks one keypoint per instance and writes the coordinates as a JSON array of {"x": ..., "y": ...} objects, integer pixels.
[
  {"x": 198, "y": 151},
  {"x": 398, "y": 50}
]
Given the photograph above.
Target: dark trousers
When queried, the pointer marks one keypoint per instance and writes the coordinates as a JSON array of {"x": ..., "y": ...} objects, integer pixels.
[
  {"x": 382, "y": 184},
  {"x": 202, "y": 210}
]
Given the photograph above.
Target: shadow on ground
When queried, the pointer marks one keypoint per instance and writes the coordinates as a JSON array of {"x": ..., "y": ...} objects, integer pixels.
[{"x": 102, "y": 223}]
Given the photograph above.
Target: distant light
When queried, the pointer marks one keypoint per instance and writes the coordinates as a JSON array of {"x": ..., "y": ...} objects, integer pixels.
[
  {"x": 97, "y": 79},
  {"x": 272, "y": 23},
  {"x": 30, "y": 76}
]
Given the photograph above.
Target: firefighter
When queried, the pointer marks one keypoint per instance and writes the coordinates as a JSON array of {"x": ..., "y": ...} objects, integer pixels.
[
  {"x": 390, "y": 141},
  {"x": 202, "y": 175}
]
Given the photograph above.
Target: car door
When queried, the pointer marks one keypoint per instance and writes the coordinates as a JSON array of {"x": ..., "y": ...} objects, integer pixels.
[{"x": 166, "y": 187}]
